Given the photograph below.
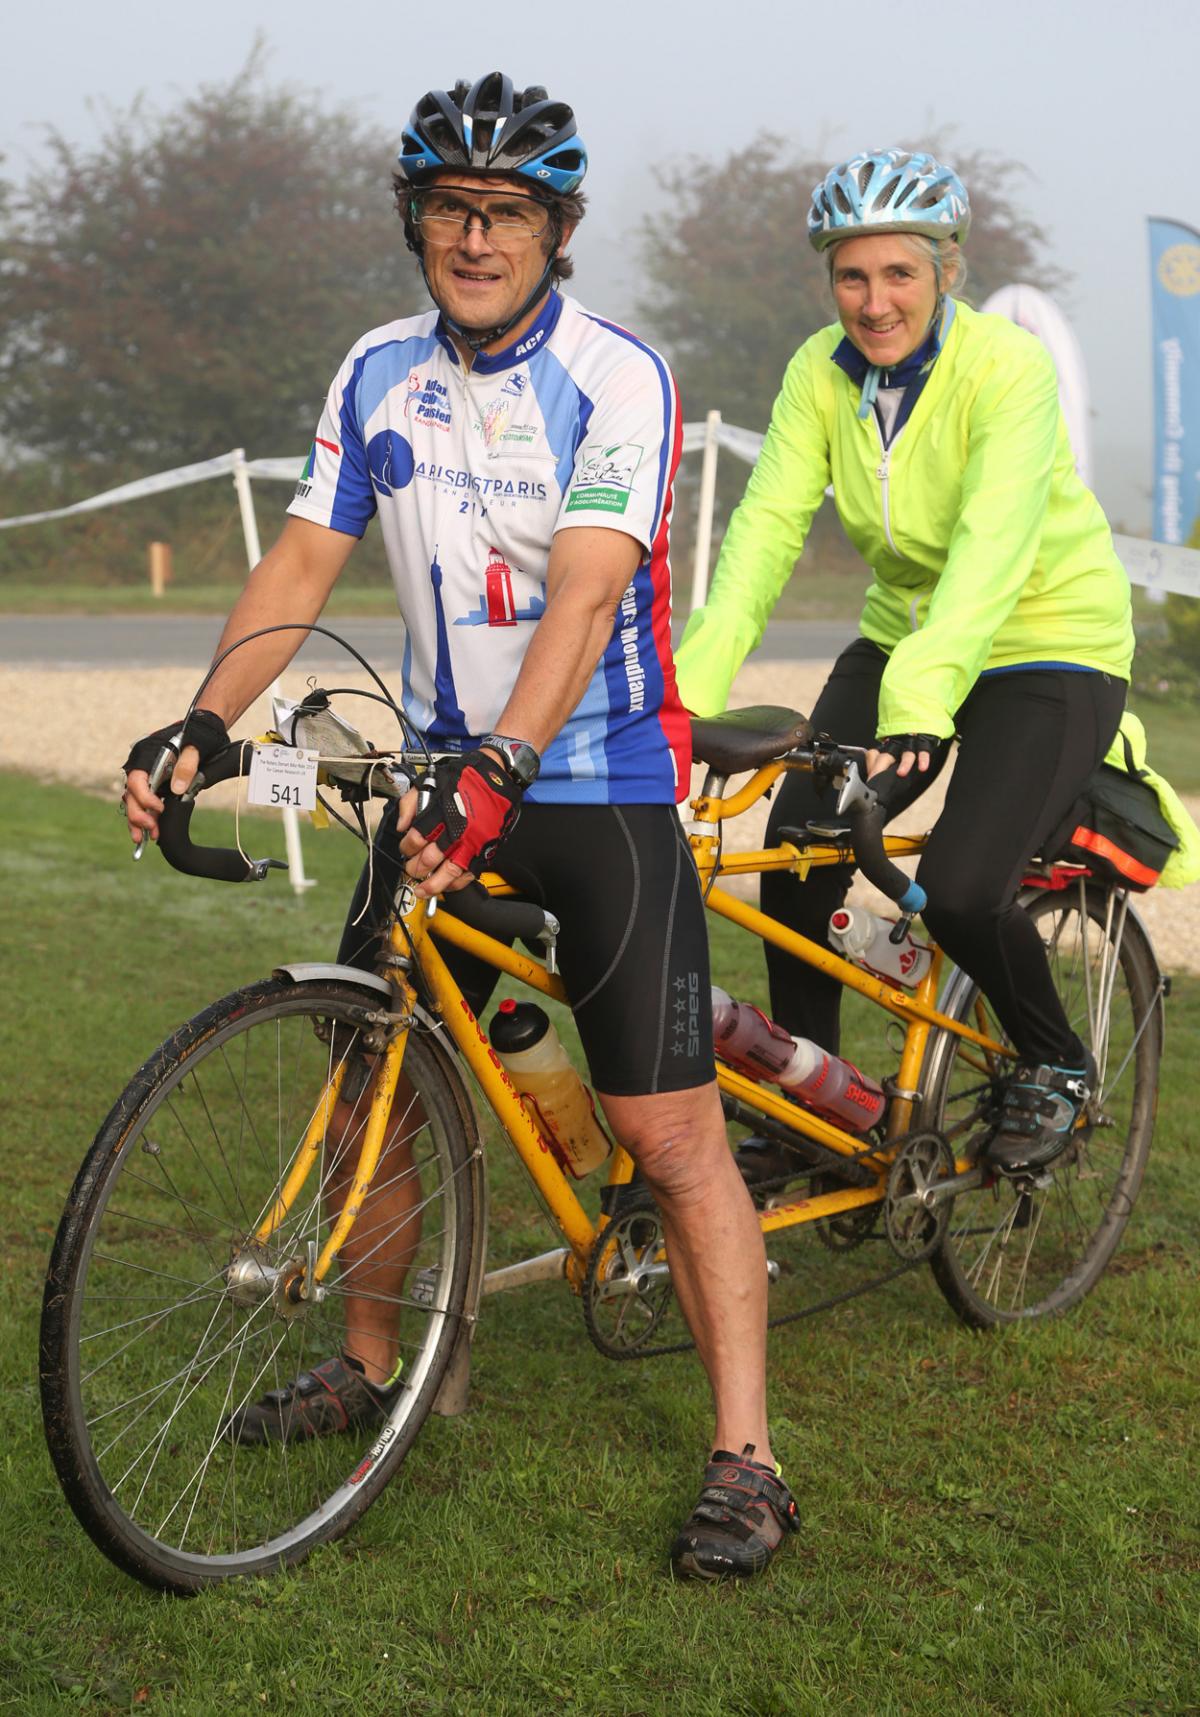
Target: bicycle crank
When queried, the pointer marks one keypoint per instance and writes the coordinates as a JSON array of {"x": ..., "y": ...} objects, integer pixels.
[
  {"x": 627, "y": 1288},
  {"x": 920, "y": 1190}
]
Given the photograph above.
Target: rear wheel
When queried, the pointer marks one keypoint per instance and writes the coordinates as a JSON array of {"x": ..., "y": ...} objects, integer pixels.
[
  {"x": 1032, "y": 1247},
  {"x": 164, "y": 1314}
]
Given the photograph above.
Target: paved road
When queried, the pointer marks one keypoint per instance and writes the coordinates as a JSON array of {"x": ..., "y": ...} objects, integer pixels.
[{"x": 152, "y": 640}]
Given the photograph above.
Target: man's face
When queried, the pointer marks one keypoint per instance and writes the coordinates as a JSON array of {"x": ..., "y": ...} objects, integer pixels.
[{"x": 480, "y": 278}]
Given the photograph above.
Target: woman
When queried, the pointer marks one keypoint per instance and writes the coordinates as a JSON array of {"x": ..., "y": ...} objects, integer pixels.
[{"x": 998, "y": 611}]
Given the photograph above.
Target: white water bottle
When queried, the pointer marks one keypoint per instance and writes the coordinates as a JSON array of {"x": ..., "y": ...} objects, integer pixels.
[
  {"x": 559, "y": 1103},
  {"x": 866, "y": 939},
  {"x": 752, "y": 1043}
]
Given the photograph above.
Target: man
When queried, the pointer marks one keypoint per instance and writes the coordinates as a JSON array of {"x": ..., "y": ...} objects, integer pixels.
[{"x": 520, "y": 454}]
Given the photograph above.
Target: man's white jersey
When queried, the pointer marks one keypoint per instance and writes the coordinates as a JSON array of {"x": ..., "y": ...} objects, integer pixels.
[{"x": 472, "y": 472}]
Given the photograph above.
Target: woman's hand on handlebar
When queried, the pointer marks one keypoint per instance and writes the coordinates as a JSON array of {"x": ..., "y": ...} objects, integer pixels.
[{"x": 900, "y": 751}]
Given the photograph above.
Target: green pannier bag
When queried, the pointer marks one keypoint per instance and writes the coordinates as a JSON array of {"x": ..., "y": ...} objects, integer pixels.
[{"x": 1129, "y": 825}]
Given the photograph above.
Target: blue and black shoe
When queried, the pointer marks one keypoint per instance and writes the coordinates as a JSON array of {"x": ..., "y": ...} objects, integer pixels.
[{"x": 1042, "y": 1107}]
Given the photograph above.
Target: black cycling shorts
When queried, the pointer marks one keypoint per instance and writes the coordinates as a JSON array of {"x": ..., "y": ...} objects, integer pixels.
[{"x": 633, "y": 950}]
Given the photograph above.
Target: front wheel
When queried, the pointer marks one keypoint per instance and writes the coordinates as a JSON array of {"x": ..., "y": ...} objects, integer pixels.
[
  {"x": 1029, "y": 1248},
  {"x": 170, "y": 1304}
]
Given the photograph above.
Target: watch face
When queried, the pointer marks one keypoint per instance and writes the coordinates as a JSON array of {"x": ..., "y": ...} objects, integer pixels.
[{"x": 521, "y": 758}]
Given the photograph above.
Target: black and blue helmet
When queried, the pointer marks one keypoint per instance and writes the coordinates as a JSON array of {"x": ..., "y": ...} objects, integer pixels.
[{"x": 488, "y": 127}]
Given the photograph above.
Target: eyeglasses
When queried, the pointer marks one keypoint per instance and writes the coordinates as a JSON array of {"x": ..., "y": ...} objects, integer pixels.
[{"x": 509, "y": 223}]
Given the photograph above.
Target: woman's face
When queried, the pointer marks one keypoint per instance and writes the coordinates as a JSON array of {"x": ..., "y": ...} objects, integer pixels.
[{"x": 885, "y": 294}]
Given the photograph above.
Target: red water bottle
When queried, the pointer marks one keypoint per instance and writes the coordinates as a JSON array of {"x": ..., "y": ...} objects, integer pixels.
[{"x": 749, "y": 1041}]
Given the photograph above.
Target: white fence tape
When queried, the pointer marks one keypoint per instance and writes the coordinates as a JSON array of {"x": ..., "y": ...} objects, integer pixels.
[
  {"x": 279, "y": 470},
  {"x": 1157, "y": 567}
]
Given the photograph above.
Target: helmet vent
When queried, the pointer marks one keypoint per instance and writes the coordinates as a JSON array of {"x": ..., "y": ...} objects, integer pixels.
[
  {"x": 884, "y": 199},
  {"x": 908, "y": 192},
  {"x": 864, "y": 176},
  {"x": 845, "y": 206}
]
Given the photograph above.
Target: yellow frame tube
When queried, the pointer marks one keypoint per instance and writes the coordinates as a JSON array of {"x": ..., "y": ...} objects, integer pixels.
[
  {"x": 447, "y": 928},
  {"x": 502, "y": 1096},
  {"x": 909, "y": 1008},
  {"x": 306, "y": 1156},
  {"x": 370, "y": 1151}
]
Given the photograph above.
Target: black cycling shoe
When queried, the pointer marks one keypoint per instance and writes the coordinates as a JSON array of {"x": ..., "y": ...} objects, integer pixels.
[
  {"x": 1040, "y": 1111},
  {"x": 334, "y": 1396},
  {"x": 763, "y": 1161},
  {"x": 738, "y": 1523}
]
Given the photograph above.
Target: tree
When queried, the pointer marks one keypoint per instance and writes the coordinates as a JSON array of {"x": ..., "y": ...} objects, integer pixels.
[
  {"x": 734, "y": 287},
  {"x": 191, "y": 282}
]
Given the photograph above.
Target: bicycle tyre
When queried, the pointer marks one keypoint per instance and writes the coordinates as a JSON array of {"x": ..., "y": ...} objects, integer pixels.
[
  {"x": 1009, "y": 1254},
  {"x": 144, "y": 1353}
]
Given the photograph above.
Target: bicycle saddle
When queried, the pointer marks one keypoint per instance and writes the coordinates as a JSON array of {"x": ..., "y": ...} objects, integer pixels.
[{"x": 745, "y": 738}]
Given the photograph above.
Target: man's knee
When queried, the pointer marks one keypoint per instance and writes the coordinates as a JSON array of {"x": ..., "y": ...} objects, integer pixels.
[{"x": 676, "y": 1138}]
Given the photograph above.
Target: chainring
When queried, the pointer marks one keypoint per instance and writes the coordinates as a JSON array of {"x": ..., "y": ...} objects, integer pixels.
[
  {"x": 915, "y": 1229},
  {"x": 846, "y": 1232},
  {"x": 627, "y": 1287}
]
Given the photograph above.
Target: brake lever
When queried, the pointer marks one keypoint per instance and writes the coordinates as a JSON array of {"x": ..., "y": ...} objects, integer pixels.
[
  {"x": 855, "y": 794},
  {"x": 158, "y": 774}
]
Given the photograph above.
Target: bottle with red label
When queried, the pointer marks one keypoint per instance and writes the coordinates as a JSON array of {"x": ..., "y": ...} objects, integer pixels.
[
  {"x": 867, "y": 941},
  {"x": 498, "y": 591},
  {"x": 560, "y": 1104},
  {"x": 755, "y": 1045}
]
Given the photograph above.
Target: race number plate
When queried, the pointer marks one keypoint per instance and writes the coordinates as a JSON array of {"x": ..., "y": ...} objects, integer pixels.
[{"x": 283, "y": 776}]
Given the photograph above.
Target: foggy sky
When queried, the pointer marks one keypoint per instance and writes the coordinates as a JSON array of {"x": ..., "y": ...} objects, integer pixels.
[{"x": 1097, "y": 97}]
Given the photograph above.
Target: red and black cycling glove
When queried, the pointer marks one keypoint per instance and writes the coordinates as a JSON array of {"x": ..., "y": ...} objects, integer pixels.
[{"x": 474, "y": 805}]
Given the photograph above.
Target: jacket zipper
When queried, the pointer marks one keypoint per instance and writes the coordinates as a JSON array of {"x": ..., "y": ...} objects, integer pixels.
[{"x": 881, "y": 471}]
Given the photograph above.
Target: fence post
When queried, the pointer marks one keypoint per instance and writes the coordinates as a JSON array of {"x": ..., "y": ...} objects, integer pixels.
[
  {"x": 704, "y": 512},
  {"x": 291, "y": 821}
]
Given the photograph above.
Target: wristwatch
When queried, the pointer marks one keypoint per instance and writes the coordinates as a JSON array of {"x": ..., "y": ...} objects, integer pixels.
[{"x": 519, "y": 758}]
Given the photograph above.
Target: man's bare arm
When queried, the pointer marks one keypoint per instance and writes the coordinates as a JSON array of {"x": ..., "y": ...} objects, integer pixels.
[{"x": 290, "y": 583}]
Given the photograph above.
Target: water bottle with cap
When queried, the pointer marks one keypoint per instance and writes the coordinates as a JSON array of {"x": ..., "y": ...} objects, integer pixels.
[
  {"x": 866, "y": 940},
  {"x": 752, "y": 1043},
  {"x": 557, "y": 1099}
]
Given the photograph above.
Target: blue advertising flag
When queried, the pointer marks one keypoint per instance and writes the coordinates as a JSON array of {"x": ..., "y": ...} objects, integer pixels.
[{"x": 1175, "y": 301}]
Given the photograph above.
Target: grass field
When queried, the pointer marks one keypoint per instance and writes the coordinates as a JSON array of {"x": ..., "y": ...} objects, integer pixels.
[{"x": 1004, "y": 1524}]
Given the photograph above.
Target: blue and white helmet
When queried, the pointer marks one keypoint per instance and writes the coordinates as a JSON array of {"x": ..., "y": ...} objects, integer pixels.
[
  {"x": 490, "y": 127},
  {"x": 888, "y": 190}
]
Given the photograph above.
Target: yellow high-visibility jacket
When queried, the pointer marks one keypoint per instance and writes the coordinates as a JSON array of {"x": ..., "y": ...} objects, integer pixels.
[{"x": 986, "y": 548}]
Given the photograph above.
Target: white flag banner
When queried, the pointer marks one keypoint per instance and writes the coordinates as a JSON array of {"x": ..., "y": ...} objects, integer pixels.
[{"x": 1030, "y": 309}]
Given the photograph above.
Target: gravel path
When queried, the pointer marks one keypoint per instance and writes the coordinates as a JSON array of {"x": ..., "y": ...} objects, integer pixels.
[{"x": 76, "y": 725}]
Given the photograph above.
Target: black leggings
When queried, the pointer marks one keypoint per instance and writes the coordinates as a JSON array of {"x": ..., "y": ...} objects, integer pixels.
[{"x": 1027, "y": 742}]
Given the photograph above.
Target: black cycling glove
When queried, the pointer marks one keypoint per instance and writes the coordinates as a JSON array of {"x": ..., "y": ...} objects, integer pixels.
[
  {"x": 897, "y": 744},
  {"x": 204, "y": 730},
  {"x": 474, "y": 805}
]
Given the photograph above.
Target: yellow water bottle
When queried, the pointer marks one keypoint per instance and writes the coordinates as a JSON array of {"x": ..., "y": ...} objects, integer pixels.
[{"x": 556, "y": 1098}]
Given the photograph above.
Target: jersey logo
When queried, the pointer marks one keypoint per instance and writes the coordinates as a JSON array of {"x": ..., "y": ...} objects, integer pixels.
[
  {"x": 497, "y": 606},
  {"x": 390, "y": 462},
  {"x": 495, "y": 420},
  {"x": 429, "y": 404},
  {"x": 604, "y": 477}
]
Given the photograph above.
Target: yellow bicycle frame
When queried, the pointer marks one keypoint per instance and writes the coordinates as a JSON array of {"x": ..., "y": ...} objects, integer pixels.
[{"x": 412, "y": 949}]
